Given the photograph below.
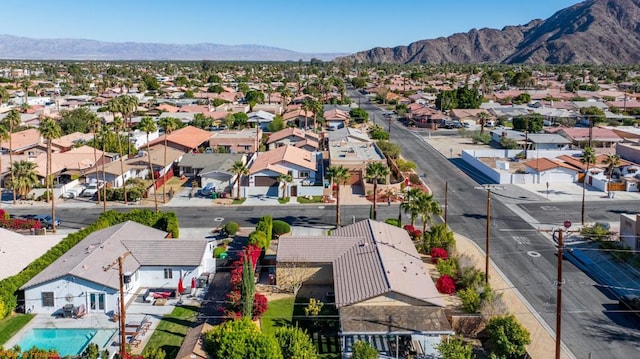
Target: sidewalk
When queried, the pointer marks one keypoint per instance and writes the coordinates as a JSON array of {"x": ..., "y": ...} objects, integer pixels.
[{"x": 542, "y": 338}]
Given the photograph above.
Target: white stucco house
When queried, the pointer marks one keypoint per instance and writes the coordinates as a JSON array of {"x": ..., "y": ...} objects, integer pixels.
[{"x": 151, "y": 260}]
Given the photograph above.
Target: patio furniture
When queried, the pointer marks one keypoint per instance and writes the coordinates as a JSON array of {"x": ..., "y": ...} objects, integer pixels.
[
  {"x": 80, "y": 312},
  {"x": 160, "y": 301},
  {"x": 67, "y": 311}
]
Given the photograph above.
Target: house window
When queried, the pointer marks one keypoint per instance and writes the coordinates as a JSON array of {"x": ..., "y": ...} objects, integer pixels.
[
  {"x": 304, "y": 174},
  {"x": 168, "y": 273},
  {"x": 290, "y": 173},
  {"x": 247, "y": 148},
  {"x": 47, "y": 299}
]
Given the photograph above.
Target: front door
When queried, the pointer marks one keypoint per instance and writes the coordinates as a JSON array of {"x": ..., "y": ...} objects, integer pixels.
[
  {"x": 96, "y": 302},
  {"x": 293, "y": 192}
]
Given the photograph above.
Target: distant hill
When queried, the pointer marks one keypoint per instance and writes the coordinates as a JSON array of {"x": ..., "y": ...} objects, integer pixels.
[
  {"x": 593, "y": 31},
  {"x": 23, "y": 48}
]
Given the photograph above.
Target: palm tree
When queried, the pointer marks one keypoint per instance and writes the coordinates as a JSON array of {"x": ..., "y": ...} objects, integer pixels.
[
  {"x": 50, "y": 130},
  {"x": 25, "y": 177},
  {"x": 411, "y": 205},
  {"x": 118, "y": 125},
  {"x": 239, "y": 169},
  {"x": 307, "y": 106},
  {"x": 285, "y": 180},
  {"x": 147, "y": 125},
  {"x": 337, "y": 175},
  {"x": 104, "y": 135},
  {"x": 286, "y": 94},
  {"x": 483, "y": 117},
  {"x": 375, "y": 172},
  {"x": 169, "y": 125},
  {"x": 4, "y": 134},
  {"x": 3, "y": 95},
  {"x": 94, "y": 124},
  {"x": 612, "y": 161},
  {"x": 26, "y": 84},
  {"x": 12, "y": 121},
  {"x": 428, "y": 208},
  {"x": 588, "y": 158}
]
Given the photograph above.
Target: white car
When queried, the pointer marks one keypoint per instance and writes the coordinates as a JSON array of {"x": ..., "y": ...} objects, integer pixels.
[
  {"x": 72, "y": 193},
  {"x": 91, "y": 190}
]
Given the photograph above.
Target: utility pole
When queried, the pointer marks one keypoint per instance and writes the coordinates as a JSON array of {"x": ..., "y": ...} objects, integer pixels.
[
  {"x": 446, "y": 202},
  {"x": 123, "y": 335},
  {"x": 488, "y": 227}
]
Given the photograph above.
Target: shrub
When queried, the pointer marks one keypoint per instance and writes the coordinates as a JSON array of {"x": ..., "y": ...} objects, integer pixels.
[
  {"x": 470, "y": 277},
  {"x": 455, "y": 348},
  {"x": 437, "y": 254},
  {"x": 231, "y": 228},
  {"x": 280, "y": 228},
  {"x": 414, "y": 233},
  {"x": 392, "y": 221},
  {"x": 470, "y": 300},
  {"x": 259, "y": 305},
  {"x": 447, "y": 266},
  {"x": 258, "y": 238},
  {"x": 446, "y": 285},
  {"x": 414, "y": 179},
  {"x": 218, "y": 251},
  {"x": 507, "y": 337},
  {"x": 295, "y": 343},
  {"x": 364, "y": 350},
  {"x": 4, "y": 214},
  {"x": 439, "y": 235}
]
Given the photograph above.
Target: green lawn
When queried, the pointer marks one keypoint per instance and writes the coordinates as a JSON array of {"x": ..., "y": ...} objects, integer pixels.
[
  {"x": 239, "y": 201},
  {"x": 172, "y": 329},
  {"x": 314, "y": 199},
  {"x": 323, "y": 330},
  {"x": 284, "y": 200},
  {"x": 279, "y": 313},
  {"x": 11, "y": 325}
]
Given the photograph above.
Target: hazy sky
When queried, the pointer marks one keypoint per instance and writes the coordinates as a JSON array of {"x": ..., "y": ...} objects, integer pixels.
[{"x": 301, "y": 25}]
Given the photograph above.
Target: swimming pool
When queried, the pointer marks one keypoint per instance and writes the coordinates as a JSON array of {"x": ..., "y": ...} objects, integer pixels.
[{"x": 65, "y": 341}]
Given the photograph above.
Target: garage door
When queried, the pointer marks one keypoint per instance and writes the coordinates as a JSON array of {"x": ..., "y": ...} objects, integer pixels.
[{"x": 265, "y": 181}]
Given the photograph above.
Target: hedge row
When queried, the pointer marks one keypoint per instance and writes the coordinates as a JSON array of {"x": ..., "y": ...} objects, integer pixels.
[{"x": 10, "y": 285}]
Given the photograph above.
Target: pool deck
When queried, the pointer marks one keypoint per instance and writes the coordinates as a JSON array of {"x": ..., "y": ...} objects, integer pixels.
[{"x": 136, "y": 312}]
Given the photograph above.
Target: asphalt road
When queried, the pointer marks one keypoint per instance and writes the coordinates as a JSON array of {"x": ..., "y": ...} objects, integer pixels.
[{"x": 590, "y": 323}]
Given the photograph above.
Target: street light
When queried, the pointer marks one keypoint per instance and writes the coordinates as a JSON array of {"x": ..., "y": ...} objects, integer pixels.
[
  {"x": 560, "y": 231},
  {"x": 488, "y": 188}
]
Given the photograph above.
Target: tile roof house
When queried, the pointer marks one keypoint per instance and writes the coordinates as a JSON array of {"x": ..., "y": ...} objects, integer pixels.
[
  {"x": 354, "y": 150},
  {"x": 300, "y": 138},
  {"x": 536, "y": 141},
  {"x": 336, "y": 118},
  {"x": 236, "y": 141},
  {"x": 296, "y": 115},
  {"x": 579, "y": 136},
  {"x": 552, "y": 171},
  {"x": 265, "y": 169},
  {"x": 186, "y": 139},
  {"x": 381, "y": 285},
  {"x": 27, "y": 142},
  {"x": 211, "y": 169},
  {"x": 78, "y": 277}
]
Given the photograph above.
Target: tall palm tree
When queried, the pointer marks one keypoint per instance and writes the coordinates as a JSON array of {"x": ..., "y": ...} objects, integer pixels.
[
  {"x": 375, "y": 172},
  {"x": 104, "y": 135},
  {"x": 285, "y": 180},
  {"x": 588, "y": 158},
  {"x": 25, "y": 177},
  {"x": 410, "y": 205},
  {"x": 147, "y": 125},
  {"x": 3, "y": 94},
  {"x": 94, "y": 124},
  {"x": 612, "y": 161},
  {"x": 26, "y": 84},
  {"x": 483, "y": 117},
  {"x": 286, "y": 94},
  {"x": 50, "y": 130},
  {"x": 118, "y": 125},
  {"x": 428, "y": 208},
  {"x": 169, "y": 125},
  {"x": 12, "y": 121},
  {"x": 337, "y": 175},
  {"x": 307, "y": 106},
  {"x": 239, "y": 169},
  {"x": 4, "y": 135}
]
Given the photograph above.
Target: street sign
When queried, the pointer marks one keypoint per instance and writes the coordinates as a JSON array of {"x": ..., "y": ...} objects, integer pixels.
[{"x": 567, "y": 224}]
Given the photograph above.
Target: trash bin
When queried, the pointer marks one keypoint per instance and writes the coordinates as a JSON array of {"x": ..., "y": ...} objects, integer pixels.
[
  {"x": 223, "y": 255},
  {"x": 214, "y": 195}
]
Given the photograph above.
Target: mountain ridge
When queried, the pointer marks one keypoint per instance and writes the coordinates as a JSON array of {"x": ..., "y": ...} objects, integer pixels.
[
  {"x": 25, "y": 48},
  {"x": 592, "y": 31}
]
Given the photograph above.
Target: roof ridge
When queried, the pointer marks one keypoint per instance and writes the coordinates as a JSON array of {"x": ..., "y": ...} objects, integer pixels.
[
  {"x": 81, "y": 263},
  {"x": 375, "y": 242}
]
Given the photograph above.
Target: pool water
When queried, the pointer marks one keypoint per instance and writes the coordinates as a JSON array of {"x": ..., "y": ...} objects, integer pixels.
[{"x": 65, "y": 341}]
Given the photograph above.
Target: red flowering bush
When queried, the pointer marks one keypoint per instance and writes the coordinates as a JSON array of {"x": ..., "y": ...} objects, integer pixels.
[
  {"x": 19, "y": 223},
  {"x": 414, "y": 233},
  {"x": 446, "y": 285},
  {"x": 437, "y": 254},
  {"x": 259, "y": 305}
]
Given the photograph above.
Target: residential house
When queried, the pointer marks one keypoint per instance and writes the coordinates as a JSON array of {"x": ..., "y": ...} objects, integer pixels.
[
  {"x": 629, "y": 151},
  {"x": 236, "y": 141},
  {"x": 139, "y": 138},
  {"x": 296, "y": 115},
  {"x": 424, "y": 116},
  {"x": 300, "y": 138},
  {"x": 336, "y": 118},
  {"x": 186, "y": 139},
  {"x": 353, "y": 150},
  {"x": 533, "y": 141},
  {"x": 82, "y": 275},
  {"x": 137, "y": 167},
  {"x": 630, "y": 230},
  {"x": 28, "y": 142},
  {"x": 552, "y": 171},
  {"x": 579, "y": 136},
  {"x": 471, "y": 116},
  {"x": 302, "y": 165},
  {"x": 260, "y": 118},
  {"x": 382, "y": 290},
  {"x": 273, "y": 108},
  {"x": 67, "y": 142},
  {"x": 211, "y": 169}
]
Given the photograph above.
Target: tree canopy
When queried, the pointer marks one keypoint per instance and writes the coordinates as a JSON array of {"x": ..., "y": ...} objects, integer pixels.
[{"x": 532, "y": 123}]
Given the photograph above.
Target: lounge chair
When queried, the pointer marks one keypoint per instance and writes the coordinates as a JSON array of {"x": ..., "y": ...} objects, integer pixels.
[
  {"x": 80, "y": 311},
  {"x": 134, "y": 341}
]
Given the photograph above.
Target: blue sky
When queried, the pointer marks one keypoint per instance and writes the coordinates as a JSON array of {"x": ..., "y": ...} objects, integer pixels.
[{"x": 344, "y": 26}]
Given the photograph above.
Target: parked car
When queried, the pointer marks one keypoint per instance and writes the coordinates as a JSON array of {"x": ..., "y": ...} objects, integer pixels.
[
  {"x": 46, "y": 221},
  {"x": 90, "y": 190},
  {"x": 207, "y": 190},
  {"x": 72, "y": 193},
  {"x": 466, "y": 125}
]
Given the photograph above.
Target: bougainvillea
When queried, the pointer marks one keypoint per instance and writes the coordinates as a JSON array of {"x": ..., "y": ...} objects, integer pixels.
[
  {"x": 19, "y": 223},
  {"x": 414, "y": 233},
  {"x": 259, "y": 306},
  {"x": 437, "y": 254},
  {"x": 446, "y": 285}
]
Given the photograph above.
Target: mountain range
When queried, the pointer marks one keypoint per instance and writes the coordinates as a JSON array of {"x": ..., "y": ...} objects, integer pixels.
[
  {"x": 593, "y": 31},
  {"x": 23, "y": 48}
]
